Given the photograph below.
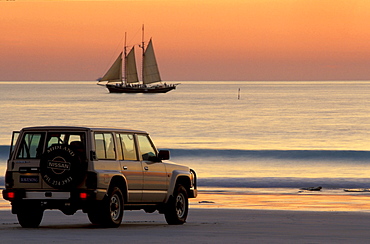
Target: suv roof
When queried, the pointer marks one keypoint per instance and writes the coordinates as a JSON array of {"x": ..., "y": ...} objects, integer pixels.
[{"x": 82, "y": 128}]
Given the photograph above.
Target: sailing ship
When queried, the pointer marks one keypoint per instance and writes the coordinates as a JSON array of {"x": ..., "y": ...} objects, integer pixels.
[{"x": 128, "y": 81}]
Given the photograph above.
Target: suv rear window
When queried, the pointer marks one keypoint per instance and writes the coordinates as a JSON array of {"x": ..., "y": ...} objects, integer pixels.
[
  {"x": 57, "y": 138},
  {"x": 33, "y": 142},
  {"x": 31, "y": 146}
]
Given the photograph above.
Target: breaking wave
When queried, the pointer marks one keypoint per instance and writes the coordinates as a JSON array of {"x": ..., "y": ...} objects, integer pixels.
[
  {"x": 285, "y": 182},
  {"x": 329, "y": 155}
]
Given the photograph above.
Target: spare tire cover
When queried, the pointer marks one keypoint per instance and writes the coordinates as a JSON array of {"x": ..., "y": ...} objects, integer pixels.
[{"x": 61, "y": 167}]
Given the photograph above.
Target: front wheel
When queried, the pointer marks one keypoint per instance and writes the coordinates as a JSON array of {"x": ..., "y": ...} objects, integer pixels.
[{"x": 177, "y": 207}]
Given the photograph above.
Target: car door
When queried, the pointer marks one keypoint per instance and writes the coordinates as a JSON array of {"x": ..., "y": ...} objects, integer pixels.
[
  {"x": 106, "y": 164},
  {"x": 26, "y": 161},
  {"x": 155, "y": 175},
  {"x": 131, "y": 167}
]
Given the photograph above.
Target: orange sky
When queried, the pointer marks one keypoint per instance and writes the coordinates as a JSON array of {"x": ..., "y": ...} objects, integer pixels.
[{"x": 193, "y": 40}]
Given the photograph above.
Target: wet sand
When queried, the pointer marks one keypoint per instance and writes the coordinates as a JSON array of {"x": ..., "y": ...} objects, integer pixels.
[{"x": 305, "y": 201}]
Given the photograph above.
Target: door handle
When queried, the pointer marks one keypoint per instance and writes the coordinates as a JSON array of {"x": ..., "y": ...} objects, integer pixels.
[
  {"x": 124, "y": 167},
  {"x": 146, "y": 168}
]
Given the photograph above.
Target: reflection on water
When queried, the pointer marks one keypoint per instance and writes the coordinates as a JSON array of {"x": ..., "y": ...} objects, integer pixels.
[{"x": 269, "y": 115}]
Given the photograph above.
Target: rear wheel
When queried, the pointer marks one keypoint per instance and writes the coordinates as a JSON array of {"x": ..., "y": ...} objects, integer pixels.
[
  {"x": 177, "y": 207},
  {"x": 30, "y": 217},
  {"x": 108, "y": 213}
]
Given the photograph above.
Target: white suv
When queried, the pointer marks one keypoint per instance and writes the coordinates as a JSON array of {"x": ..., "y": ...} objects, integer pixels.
[{"x": 99, "y": 170}]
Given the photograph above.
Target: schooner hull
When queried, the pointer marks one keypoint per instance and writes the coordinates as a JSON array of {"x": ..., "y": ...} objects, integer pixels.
[{"x": 125, "y": 89}]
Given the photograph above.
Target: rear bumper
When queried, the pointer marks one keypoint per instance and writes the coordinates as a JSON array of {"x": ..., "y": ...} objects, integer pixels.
[
  {"x": 21, "y": 194},
  {"x": 65, "y": 201}
]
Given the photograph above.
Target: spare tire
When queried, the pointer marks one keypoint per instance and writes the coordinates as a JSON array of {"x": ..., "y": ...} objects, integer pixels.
[{"x": 61, "y": 167}]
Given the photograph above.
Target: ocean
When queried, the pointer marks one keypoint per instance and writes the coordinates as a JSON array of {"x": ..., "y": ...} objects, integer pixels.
[{"x": 250, "y": 136}]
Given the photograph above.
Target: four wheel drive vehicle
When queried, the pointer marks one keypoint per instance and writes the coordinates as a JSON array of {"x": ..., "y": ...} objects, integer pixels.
[{"x": 99, "y": 170}]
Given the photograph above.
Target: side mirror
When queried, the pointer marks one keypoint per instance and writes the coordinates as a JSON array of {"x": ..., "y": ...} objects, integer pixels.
[{"x": 164, "y": 154}]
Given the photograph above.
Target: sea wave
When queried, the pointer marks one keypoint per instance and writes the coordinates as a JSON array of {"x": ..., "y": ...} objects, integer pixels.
[
  {"x": 4, "y": 152},
  {"x": 330, "y": 155},
  {"x": 285, "y": 182},
  {"x": 344, "y": 177},
  {"x": 276, "y": 182},
  {"x": 275, "y": 154}
]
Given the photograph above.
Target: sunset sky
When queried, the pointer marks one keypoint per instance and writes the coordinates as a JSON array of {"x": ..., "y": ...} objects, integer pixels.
[{"x": 193, "y": 40}]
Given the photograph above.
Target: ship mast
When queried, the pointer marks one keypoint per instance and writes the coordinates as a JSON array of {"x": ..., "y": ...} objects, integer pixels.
[
  {"x": 142, "y": 60},
  {"x": 125, "y": 61}
]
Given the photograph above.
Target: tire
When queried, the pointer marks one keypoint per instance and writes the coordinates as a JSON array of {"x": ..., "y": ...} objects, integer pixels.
[
  {"x": 61, "y": 167},
  {"x": 29, "y": 217},
  {"x": 111, "y": 214},
  {"x": 177, "y": 207}
]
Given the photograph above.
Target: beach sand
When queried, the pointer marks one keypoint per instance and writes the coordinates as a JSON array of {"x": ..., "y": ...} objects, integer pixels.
[
  {"x": 203, "y": 226},
  {"x": 258, "y": 218}
]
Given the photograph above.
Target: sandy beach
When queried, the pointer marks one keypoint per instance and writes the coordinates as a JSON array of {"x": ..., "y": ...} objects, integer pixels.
[
  {"x": 258, "y": 218},
  {"x": 203, "y": 226}
]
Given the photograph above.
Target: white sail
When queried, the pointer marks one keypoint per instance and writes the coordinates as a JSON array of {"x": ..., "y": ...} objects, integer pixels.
[
  {"x": 114, "y": 74},
  {"x": 150, "y": 67},
  {"x": 131, "y": 71}
]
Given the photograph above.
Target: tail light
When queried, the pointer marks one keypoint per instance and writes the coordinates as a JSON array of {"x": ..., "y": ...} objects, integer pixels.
[
  {"x": 11, "y": 195},
  {"x": 83, "y": 195}
]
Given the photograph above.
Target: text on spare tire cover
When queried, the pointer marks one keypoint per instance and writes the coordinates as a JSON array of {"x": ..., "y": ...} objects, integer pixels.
[{"x": 59, "y": 165}]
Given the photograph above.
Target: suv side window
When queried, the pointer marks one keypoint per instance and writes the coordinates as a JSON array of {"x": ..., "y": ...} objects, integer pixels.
[
  {"x": 126, "y": 147},
  {"x": 31, "y": 146},
  {"x": 146, "y": 147},
  {"x": 104, "y": 145}
]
